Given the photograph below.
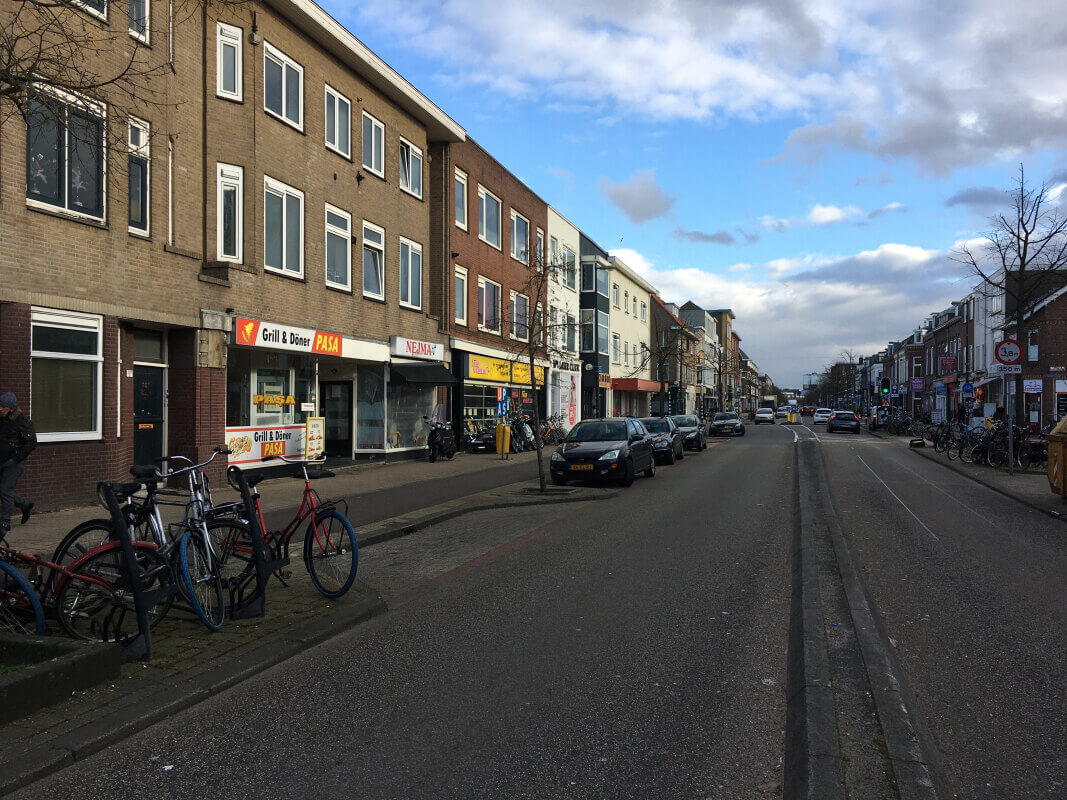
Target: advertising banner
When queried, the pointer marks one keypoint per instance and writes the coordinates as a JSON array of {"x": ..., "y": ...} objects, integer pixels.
[
  {"x": 315, "y": 436},
  {"x": 251, "y": 445},
  {"x": 918, "y": 384},
  {"x": 520, "y": 373},
  {"x": 255, "y": 333},
  {"x": 484, "y": 368}
]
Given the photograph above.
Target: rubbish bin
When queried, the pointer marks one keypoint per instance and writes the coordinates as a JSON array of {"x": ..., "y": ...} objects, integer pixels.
[
  {"x": 503, "y": 439},
  {"x": 1057, "y": 453}
]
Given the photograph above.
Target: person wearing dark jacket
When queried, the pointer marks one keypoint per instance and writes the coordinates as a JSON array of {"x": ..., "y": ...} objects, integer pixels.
[{"x": 17, "y": 440}]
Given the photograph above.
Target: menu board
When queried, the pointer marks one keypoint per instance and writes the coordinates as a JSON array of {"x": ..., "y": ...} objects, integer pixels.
[{"x": 316, "y": 438}]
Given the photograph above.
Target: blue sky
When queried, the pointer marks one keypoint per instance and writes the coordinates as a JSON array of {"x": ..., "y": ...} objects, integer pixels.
[{"x": 809, "y": 164}]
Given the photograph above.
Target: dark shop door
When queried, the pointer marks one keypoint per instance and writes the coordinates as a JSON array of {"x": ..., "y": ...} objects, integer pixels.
[
  {"x": 148, "y": 414},
  {"x": 337, "y": 408}
]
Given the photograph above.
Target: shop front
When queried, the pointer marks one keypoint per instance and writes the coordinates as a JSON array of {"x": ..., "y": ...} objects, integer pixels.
[
  {"x": 632, "y": 397},
  {"x": 491, "y": 387},
  {"x": 564, "y": 384}
]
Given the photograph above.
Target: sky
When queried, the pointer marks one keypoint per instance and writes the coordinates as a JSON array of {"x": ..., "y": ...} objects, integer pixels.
[{"x": 810, "y": 164}]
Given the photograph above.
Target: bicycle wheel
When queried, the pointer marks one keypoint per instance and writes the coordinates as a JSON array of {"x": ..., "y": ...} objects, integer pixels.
[
  {"x": 231, "y": 541},
  {"x": 997, "y": 452},
  {"x": 203, "y": 584},
  {"x": 20, "y": 607},
  {"x": 1025, "y": 454},
  {"x": 96, "y": 602},
  {"x": 330, "y": 553}
]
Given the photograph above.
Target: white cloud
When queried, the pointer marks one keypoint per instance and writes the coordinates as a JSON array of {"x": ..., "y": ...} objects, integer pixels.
[
  {"x": 641, "y": 199},
  {"x": 820, "y": 215},
  {"x": 827, "y": 215}
]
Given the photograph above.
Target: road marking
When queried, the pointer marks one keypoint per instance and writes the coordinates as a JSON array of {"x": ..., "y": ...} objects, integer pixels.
[
  {"x": 795, "y": 437},
  {"x": 813, "y": 433},
  {"x": 875, "y": 474}
]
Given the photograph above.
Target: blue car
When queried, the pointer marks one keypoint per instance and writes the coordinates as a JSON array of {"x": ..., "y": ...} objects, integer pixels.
[{"x": 843, "y": 421}]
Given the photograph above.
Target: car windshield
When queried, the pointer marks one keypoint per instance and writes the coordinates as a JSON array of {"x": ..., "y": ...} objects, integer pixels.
[
  {"x": 686, "y": 421},
  {"x": 657, "y": 425},
  {"x": 724, "y": 416},
  {"x": 598, "y": 431}
]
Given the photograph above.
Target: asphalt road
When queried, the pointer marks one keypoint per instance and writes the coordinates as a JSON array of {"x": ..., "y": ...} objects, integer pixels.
[{"x": 632, "y": 647}]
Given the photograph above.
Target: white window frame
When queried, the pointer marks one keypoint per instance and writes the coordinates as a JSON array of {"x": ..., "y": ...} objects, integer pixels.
[
  {"x": 482, "y": 281},
  {"x": 145, "y": 37},
  {"x": 413, "y": 247},
  {"x": 376, "y": 125},
  {"x": 482, "y": 194},
  {"x": 414, "y": 153},
  {"x": 381, "y": 260},
  {"x": 523, "y": 256},
  {"x": 100, "y": 111},
  {"x": 338, "y": 98},
  {"x": 539, "y": 320},
  {"x": 616, "y": 349},
  {"x": 84, "y": 322},
  {"x": 92, "y": 12},
  {"x": 615, "y": 295},
  {"x": 273, "y": 53},
  {"x": 278, "y": 188},
  {"x": 539, "y": 249},
  {"x": 143, "y": 151},
  {"x": 232, "y": 36},
  {"x": 230, "y": 176},
  {"x": 460, "y": 275},
  {"x": 513, "y": 309},
  {"x": 461, "y": 177},
  {"x": 572, "y": 330},
  {"x": 345, "y": 234},
  {"x": 644, "y": 312}
]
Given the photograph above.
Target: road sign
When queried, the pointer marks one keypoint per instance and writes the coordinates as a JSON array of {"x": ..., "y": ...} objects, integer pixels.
[
  {"x": 1009, "y": 352},
  {"x": 1007, "y": 369},
  {"x": 968, "y": 388}
]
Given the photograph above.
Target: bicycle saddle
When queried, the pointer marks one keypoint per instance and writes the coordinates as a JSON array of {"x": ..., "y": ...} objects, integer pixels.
[
  {"x": 126, "y": 488},
  {"x": 145, "y": 473},
  {"x": 252, "y": 480}
]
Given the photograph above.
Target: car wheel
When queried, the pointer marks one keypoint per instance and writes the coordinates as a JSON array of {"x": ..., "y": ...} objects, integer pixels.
[
  {"x": 703, "y": 444},
  {"x": 681, "y": 452},
  {"x": 627, "y": 477},
  {"x": 669, "y": 458},
  {"x": 651, "y": 471},
  {"x": 742, "y": 432}
]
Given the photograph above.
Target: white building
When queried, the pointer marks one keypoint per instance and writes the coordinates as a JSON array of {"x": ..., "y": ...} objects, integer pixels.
[
  {"x": 565, "y": 373},
  {"x": 631, "y": 369}
]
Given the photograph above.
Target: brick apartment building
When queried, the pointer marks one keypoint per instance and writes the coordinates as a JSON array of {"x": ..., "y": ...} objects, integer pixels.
[
  {"x": 249, "y": 248},
  {"x": 494, "y": 286},
  {"x": 941, "y": 361}
]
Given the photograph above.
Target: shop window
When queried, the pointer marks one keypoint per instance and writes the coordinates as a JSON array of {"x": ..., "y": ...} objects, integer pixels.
[
  {"x": 228, "y": 62},
  {"x": 230, "y": 205},
  {"x": 370, "y": 408},
  {"x": 407, "y": 404},
  {"x": 410, "y": 274},
  {"x": 373, "y": 145},
  {"x": 66, "y": 364},
  {"x": 338, "y": 248},
  {"x": 65, "y": 155},
  {"x": 373, "y": 261},
  {"x": 283, "y": 228},
  {"x": 139, "y": 184},
  {"x": 338, "y": 125},
  {"x": 410, "y": 168},
  {"x": 283, "y": 87},
  {"x": 461, "y": 296},
  {"x": 460, "y": 192}
]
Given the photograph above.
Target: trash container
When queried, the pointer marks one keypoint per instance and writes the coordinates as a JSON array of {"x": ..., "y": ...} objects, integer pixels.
[
  {"x": 1057, "y": 452},
  {"x": 503, "y": 439}
]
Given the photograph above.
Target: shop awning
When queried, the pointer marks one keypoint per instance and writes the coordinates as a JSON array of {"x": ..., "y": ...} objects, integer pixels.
[
  {"x": 422, "y": 373},
  {"x": 634, "y": 385}
]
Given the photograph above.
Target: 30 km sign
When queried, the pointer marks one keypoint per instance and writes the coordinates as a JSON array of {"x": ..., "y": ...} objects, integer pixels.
[{"x": 1009, "y": 352}]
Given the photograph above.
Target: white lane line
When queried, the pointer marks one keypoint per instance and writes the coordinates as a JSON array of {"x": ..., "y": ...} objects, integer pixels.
[
  {"x": 875, "y": 474},
  {"x": 813, "y": 433},
  {"x": 795, "y": 437}
]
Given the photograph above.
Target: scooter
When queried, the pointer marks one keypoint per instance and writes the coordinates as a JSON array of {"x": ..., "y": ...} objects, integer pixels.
[{"x": 441, "y": 439}]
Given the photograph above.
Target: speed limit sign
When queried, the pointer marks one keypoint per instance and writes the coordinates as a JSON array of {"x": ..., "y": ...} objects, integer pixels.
[{"x": 1009, "y": 352}]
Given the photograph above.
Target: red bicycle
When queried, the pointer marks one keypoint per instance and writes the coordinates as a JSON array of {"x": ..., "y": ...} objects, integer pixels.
[{"x": 331, "y": 554}]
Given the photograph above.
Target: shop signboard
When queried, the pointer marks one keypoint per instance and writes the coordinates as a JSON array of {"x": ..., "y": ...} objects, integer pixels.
[
  {"x": 918, "y": 384},
  {"x": 948, "y": 363},
  {"x": 1032, "y": 386},
  {"x": 414, "y": 348},
  {"x": 315, "y": 436},
  {"x": 603, "y": 380},
  {"x": 250, "y": 445},
  {"x": 255, "y": 333},
  {"x": 483, "y": 368},
  {"x": 520, "y": 373}
]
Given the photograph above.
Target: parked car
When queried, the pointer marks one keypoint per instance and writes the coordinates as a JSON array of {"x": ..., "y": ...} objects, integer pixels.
[
  {"x": 727, "y": 423},
  {"x": 765, "y": 415},
  {"x": 693, "y": 436},
  {"x": 843, "y": 421},
  {"x": 667, "y": 442},
  {"x": 612, "y": 449},
  {"x": 822, "y": 414}
]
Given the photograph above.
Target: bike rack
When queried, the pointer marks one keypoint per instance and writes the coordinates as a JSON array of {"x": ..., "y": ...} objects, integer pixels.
[
  {"x": 242, "y": 603},
  {"x": 139, "y": 646}
]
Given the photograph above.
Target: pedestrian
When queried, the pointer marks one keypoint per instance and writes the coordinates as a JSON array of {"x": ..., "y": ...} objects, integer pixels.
[
  {"x": 961, "y": 413},
  {"x": 17, "y": 440}
]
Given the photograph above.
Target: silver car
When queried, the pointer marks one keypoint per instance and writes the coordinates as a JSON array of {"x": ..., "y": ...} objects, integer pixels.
[{"x": 822, "y": 414}]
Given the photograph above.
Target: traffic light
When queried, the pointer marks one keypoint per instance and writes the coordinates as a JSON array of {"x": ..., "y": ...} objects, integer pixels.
[{"x": 885, "y": 385}]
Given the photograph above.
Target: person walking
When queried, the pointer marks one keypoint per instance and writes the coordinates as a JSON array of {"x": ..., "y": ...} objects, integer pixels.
[{"x": 17, "y": 440}]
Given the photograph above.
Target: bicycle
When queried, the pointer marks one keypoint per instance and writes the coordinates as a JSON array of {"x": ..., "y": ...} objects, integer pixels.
[{"x": 330, "y": 551}]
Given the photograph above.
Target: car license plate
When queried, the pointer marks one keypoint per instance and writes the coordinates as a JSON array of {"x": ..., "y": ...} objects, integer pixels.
[{"x": 581, "y": 466}]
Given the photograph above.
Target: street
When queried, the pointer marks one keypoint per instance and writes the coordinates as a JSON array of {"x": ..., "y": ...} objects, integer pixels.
[{"x": 637, "y": 647}]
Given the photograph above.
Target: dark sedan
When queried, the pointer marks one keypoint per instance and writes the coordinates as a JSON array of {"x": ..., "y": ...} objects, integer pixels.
[
  {"x": 613, "y": 449},
  {"x": 727, "y": 423},
  {"x": 667, "y": 442},
  {"x": 693, "y": 436},
  {"x": 843, "y": 421}
]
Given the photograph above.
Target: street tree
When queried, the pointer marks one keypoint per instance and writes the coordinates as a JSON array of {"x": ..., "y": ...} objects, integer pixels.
[{"x": 1022, "y": 257}]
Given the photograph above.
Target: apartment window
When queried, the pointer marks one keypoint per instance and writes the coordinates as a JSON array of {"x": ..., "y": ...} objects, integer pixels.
[
  {"x": 616, "y": 348},
  {"x": 588, "y": 330},
  {"x": 602, "y": 332},
  {"x": 539, "y": 250},
  {"x": 644, "y": 312},
  {"x": 138, "y": 25},
  {"x": 373, "y": 145},
  {"x": 228, "y": 62},
  {"x": 553, "y": 253},
  {"x": 283, "y": 87},
  {"x": 615, "y": 295},
  {"x": 460, "y": 291},
  {"x": 65, "y": 156},
  {"x": 338, "y": 248},
  {"x": 539, "y": 324},
  {"x": 488, "y": 217},
  {"x": 602, "y": 282},
  {"x": 66, "y": 362},
  {"x": 283, "y": 228},
  {"x": 139, "y": 185},
  {"x": 230, "y": 203},
  {"x": 460, "y": 192},
  {"x": 373, "y": 261},
  {"x": 338, "y": 122},
  {"x": 410, "y": 273},
  {"x": 569, "y": 273},
  {"x": 410, "y": 168},
  {"x": 588, "y": 276},
  {"x": 626, "y": 302},
  {"x": 488, "y": 305},
  {"x": 97, "y": 8},
  {"x": 520, "y": 314},
  {"x": 626, "y": 353},
  {"x": 520, "y": 237},
  {"x": 572, "y": 331}
]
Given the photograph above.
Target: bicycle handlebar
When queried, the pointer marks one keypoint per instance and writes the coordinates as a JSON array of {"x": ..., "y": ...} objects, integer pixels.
[
  {"x": 219, "y": 450},
  {"x": 289, "y": 460}
]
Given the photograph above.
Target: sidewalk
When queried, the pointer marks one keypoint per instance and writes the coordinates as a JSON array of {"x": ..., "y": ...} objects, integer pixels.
[
  {"x": 189, "y": 664},
  {"x": 1029, "y": 487}
]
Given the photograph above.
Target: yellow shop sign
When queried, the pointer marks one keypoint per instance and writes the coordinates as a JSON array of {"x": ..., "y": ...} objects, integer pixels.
[
  {"x": 498, "y": 370},
  {"x": 520, "y": 373}
]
